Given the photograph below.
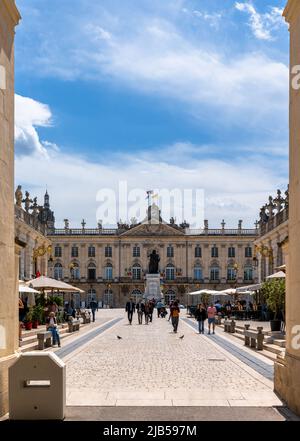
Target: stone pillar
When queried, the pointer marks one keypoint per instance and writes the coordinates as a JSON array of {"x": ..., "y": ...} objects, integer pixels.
[
  {"x": 9, "y": 18},
  {"x": 287, "y": 370}
]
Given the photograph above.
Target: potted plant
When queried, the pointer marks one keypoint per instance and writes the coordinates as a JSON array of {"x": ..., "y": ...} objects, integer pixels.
[
  {"x": 37, "y": 316},
  {"x": 274, "y": 294},
  {"x": 28, "y": 320}
]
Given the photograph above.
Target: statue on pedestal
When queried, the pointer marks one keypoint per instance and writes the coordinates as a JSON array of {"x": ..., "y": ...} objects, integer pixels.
[
  {"x": 154, "y": 261},
  {"x": 19, "y": 196}
]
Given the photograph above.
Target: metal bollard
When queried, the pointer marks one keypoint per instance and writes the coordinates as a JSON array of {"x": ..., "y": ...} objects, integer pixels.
[{"x": 37, "y": 387}]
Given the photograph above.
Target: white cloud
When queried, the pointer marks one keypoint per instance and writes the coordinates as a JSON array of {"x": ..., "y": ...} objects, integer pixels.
[
  {"x": 262, "y": 25},
  {"x": 212, "y": 19},
  {"x": 29, "y": 115},
  {"x": 232, "y": 188}
]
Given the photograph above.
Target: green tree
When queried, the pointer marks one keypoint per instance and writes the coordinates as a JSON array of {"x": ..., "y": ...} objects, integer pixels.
[{"x": 274, "y": 295}]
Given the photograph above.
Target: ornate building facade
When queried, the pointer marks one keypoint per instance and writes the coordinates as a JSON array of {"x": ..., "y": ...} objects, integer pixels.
[
  {"x": 270, "y": 246},
  {"x": 110, "y": 264},
  {"x": 33, "y": 222}
]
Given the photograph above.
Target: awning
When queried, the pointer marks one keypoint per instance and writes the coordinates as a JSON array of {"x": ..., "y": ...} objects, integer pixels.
[
  {"x": 249, "y": 288},
  {"x": 278, "y": 275},
  {"x": 46, "y": 283}
]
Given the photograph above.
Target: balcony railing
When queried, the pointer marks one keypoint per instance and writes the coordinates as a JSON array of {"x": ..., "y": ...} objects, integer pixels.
[
  {"x": 30, "y": 220},
  {"x": 274, "y": 222}
]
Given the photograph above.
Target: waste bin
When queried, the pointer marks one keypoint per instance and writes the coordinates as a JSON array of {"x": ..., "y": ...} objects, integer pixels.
[{"x": 37, "y": 387}]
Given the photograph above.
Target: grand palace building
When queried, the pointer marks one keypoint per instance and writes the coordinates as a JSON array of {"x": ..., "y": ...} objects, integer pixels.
[{"x": 110, "y": 265}]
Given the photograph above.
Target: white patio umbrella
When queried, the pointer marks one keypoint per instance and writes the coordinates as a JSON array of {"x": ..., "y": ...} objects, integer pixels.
[
  {"x": 46, "y": 283},
  {"x": 278, "y": 275},
  {"x": 27, "y": 289},
  {"x": 229, "y": 291}
]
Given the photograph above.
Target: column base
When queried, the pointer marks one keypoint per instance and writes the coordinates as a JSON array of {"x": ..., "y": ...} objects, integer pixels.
[
  {"x": 287, "y": 381},
  {"x": 5, "y": 363}
]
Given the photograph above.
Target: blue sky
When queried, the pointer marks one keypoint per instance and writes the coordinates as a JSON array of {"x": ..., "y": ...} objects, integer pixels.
[{"x": 162, "y": 93}]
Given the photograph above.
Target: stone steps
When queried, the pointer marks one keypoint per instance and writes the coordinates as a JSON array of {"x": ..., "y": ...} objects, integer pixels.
[
  {"x": 270, "y": 350},
  {"x": 29, "y": 338}
]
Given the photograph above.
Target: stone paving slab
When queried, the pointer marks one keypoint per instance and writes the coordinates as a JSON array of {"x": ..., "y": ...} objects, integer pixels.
[{"x": 152, "y": 366}]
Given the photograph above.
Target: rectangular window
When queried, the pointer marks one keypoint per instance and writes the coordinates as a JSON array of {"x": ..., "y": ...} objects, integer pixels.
[
  {"x": 108, "y": 251},
  {"x": 57, "y": 252},
  {"x": 170, "y": 252},
  {"x": 214, "y": 274},
  {"x": 231, "y": 274},
  {"x": 136, "y": 252},
  {"x": 92, "y": 273},
  {"x": 231, "y": 252},
  {"x": 74, "y": 252},
  {"x": 248, "y": 252},
  {"x": 248, "y": 274},
  {"x": 170, "y": 273},
  {"x": 136, "y": 273},
  {"x": 92, "y": 252},
  {"x": 198, "y": 252},
  {"x": 108, "y": 273},
  {"x": 214, "y": 252},
  {"x": 198, "y": 273}
]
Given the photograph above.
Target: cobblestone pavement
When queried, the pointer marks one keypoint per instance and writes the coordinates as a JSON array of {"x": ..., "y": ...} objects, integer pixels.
[{"x": 152, "y": 366}]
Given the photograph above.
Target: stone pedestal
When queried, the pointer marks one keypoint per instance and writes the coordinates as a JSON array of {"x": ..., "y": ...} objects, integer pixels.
[
  {"x": 9, "y": 321},
  {"x": 287, "y": 370},
  {"x": 153, "y": 290}
]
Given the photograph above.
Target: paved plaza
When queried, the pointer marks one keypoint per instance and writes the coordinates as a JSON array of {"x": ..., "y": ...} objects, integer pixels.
[{"x": 152, "y": 366}]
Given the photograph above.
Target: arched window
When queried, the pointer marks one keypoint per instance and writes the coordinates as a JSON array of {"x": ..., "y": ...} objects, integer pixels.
[
  {"x": 248, "y": 251},
  {"x": 74, "y": 251},
  {"x": 108, "y": 272},
  {"x": 214, "y": 273},
  {"x": 92, "y": 251},
  {"x": 136, "y": 272},
  {"x": 108, "y": 298},
  {"x": 170, "y": 296},
  {"x": 231, "y": 273},
  {"x": 57, "y": 251},
  {"x": 75, "y": 271},
  {"x": 198, "y": 251},
  {"x": 58, "y": 271},
  {"x": 231, "y": 252},
  {"x": 136, "y": 251},
  {"x": 170, "y": 272},
  {"x": 170, "y": 251},
  {"x": 197, "y": 273},
  {"x": 248, "y": 273},
  {"x": 136, "y": 295},
  {"x": 92, "y": 271},
  {"x": 108, "y": 251}
]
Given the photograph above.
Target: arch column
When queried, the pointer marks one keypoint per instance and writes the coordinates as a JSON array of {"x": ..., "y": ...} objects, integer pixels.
[
  {"x": 287, "y": 370},
  {"x": 9, "y": 18}
]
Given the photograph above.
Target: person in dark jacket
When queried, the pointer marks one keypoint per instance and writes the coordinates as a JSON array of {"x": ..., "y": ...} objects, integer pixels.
[
  {"x": 201, "y": 316},
  {"x": 94, "y": 308},
  {"x": 140, "y": 307},
  {"x": 130, "y": 309}
]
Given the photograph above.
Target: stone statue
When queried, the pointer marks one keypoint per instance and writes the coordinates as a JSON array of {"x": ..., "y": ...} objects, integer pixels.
[
  {"x": 19, "y": 196},
  {"x": 27, "y": 201},
  {"x": 154, "y": 260},
  {"x": 35, "y": 207}
]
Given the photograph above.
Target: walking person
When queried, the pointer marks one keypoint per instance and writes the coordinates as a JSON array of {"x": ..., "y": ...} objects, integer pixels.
[
  {"x": 174, "y": 313},
  {"x": 22, "y": 314},
  {"x": 94, "y": 308},
  {"x": 130, "y": 309},
  {"x": 140, "y": 307},
  {"x": 211, "y": 314},
  {"x": 51, "y": 325},
  {"x": 201, "y": 316}
]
